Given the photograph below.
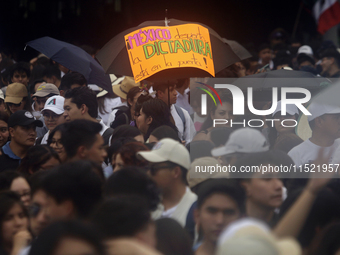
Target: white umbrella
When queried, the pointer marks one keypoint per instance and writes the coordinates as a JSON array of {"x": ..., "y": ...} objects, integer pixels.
[{"x": 330, "y": 96}]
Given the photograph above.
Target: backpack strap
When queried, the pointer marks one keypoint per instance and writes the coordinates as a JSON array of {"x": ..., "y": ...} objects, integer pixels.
[
  {"x": 181, "y": 115},
  {"x": 106, "y": 135}
]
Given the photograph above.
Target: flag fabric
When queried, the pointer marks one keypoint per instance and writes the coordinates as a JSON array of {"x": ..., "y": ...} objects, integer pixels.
[{"x": 326, "y": 14}]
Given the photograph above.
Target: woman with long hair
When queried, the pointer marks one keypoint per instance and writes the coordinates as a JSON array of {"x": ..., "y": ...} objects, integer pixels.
[
  {"x": 14, "y": 224},
  {"x": 218, "y": 111},
  {"x": 152, "y": 113}
]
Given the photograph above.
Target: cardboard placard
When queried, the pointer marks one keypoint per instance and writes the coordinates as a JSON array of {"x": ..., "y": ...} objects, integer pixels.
[{"x": 155, "y": 48}]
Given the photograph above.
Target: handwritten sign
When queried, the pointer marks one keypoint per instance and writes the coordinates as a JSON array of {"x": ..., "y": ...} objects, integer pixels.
[{"x": 153, "y": 49}]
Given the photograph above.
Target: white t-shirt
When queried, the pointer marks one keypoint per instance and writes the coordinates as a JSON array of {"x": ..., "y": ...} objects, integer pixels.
[
  {"x": 198, "y": 121},
  {"x": 336, "y": 156},
  {"x": 104, "y": 127},
  {"x": 45, "y": 138},
  {"x": 307, "y": 152},
  {"x": 180, "y": 211},
  {"x": 189, "y": 131},
  {"x": 109, "y": 104},
  {"x": 183, "y": 101}
]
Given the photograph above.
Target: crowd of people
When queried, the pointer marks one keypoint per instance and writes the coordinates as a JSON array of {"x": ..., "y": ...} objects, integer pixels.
[{"x": 86, "y": 172}]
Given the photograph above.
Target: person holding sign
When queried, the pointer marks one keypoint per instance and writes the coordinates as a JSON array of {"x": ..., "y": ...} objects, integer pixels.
[{"x": 166, "y": 91}]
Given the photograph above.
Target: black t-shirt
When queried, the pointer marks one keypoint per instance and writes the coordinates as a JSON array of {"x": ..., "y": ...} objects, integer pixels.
[{"x": 123, "y": 117}]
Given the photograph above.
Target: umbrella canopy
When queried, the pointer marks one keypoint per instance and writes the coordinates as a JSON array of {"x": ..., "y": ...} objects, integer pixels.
[
  {"x": 262, "y": 83},
  {"x": 114, "y": 56},
  {"x": 238, "y": 49},
  {"x": 329, "y": 96},
  {"x": 73, "y": 58}
]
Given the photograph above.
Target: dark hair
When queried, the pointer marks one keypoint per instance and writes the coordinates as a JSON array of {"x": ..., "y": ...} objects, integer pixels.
[
  {"x": 37, "y": 73},
  {"x": 44, "y": 61},
  {"x": 7, "y": 177},
  {"x": 220, "y": 135},
  {"x": 273, "y": 157},
  {"x": 181, "y": 82},
  {"x": 5, "y": 66},
  {"x": 326, "y": 242},
  {"x": 32, "y": 85},
  {"x": 272, "y": 134},
  {"x": 36, "y": 156},
  {"x": 160, "y": 113},
  {"x": 132, "y": 93},
  {"x": 116, "y": 144},
  {"x": 75, "y": 181},
  {"x": 70, "y": 79},
  {"x": 165, "y": 132},
  {"x": 283, "y": 57},
  {"x": 4, "y": 116},
  {"x": 128, "y": 153},
  {"x": 199, "y": 148},
  {"x": 172, "y": 238},
  {"x": 263, "y": 46},
  {"x": 52, "y": 70},
  {"x": 303, "y": 58},
  {"x": 331, "y": 53},
  {"x": 326, "y": 209},
  {"x": 60, "y": 128},
  {"x": 122, "y": 216},
  {"x": 86, "y": 96},
  {"x": 77, "y": 133},
  {"x": 36, "y": 181},
  {"x": 209, "y": 122},
  {"x": 48, "y": 241},
  {"x": 7, "y": 200},
  {"x": 133, "y": 181},
  {"x": 286, "y": 142},
  {"x": 164, "y": 85},
  {"x": 124, "y": 131},
  {"x": 21, "y": 67},
  {"x": 222, "y": 186}
]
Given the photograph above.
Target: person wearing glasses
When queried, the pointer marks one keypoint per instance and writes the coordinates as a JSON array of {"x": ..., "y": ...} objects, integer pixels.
[
  {"x": 53, "y": 115},
  {"x": 17, "y": 98},
  {"x": 169, "y": 163},
  {"x": 43, "y": 93}
]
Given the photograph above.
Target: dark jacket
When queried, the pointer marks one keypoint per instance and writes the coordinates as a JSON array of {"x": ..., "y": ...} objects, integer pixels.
[{"x": 8, "y": 160}]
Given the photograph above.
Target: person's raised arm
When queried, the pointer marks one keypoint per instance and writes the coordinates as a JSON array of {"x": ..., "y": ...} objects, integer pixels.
[{"x": 294, "y": 219}]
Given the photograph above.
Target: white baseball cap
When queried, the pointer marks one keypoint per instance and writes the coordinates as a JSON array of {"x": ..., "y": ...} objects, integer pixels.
[
  {"x": 55, "y": 104},
  {"x": 318, "y": 110},
  {"x": 253, "y": 237},
  {"x": 306, "y": 50},
  {"x": 244, "y": 140},
  {"x": 2, "y": 95},
  {"x": 290, "y": 109},
  {"x": 167, "y": 150}
]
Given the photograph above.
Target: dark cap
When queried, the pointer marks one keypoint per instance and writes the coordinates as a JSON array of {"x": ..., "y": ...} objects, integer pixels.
[
  {"x": 330, "y": 53},
  {"x": 23, "y": 118}
]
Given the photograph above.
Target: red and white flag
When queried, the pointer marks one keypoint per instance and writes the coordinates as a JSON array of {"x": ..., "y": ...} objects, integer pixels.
[{"x": 327, "y": 14}]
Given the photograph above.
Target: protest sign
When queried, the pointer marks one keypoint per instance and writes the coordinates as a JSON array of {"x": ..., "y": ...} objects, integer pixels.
[{"x": 155, "y": 48}]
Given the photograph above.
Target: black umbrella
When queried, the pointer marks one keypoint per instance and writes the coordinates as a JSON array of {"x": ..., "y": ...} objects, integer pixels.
[
  {"x": 262, "y": 83},
  {"x": 114, "y": 56},
  {"x": 238, "y": 49},
  {"x": 73, "y": 58}
]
